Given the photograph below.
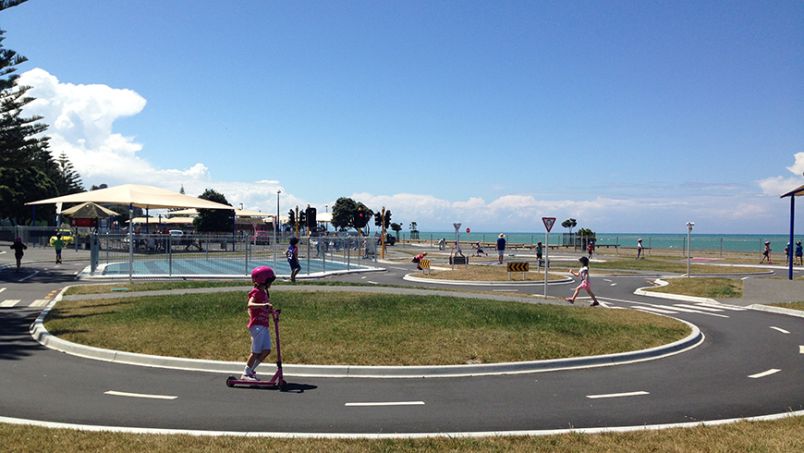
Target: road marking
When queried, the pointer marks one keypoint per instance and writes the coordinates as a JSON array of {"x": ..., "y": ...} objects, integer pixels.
[
  {"x": 613, "y": 284},
  {"x": 657, "y": 310},
  {"x": 140, "y": 395},
  {"x": 40, "y": 303},
  {"x": 779, "y": 329},
  {"x": 695, "y": 307},
  {"x": 390, "y": 403},
  {"x": 28, "y": 276},
  {"x": 618, "y": 395},
  {"x": 745, "y": 278},
  {"x": 801, "y": 349},
  {"x": 2, "y": 289},
  {"x": 8, "y": 303},
  {"x": 723, "y": 306},
  {"x": 764, "y": 373},
  {"x": 373, "y": 283},
  {"x": 687, "y": 310},
  {"x": 606, "y": 280}
]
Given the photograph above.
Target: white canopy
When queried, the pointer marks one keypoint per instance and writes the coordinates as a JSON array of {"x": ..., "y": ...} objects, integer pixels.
[{"x": 140, "y": 196}]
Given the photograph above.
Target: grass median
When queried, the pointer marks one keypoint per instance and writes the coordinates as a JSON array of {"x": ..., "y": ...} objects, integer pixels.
[
  {"x": 785, "y": 435},
  {"x": 703, "y": 287},
  {"x": 361, "y": 329}
]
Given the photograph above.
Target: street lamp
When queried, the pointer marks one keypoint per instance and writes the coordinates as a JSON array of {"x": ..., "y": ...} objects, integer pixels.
[
  {"x": 276, "y": 224},
  {"x": 690, "y": 224}
]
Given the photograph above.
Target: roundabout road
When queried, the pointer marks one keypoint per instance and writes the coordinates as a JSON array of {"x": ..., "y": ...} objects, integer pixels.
[{"x": 750, "y": 364}]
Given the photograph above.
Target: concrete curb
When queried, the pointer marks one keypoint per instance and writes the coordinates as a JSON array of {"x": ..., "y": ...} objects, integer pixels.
[
  {"x": 644, "y": 292},
  {"x": 40, "y": 334},
  {"x": 777, "y": 310},
  {"x": 413, "y": 278}
]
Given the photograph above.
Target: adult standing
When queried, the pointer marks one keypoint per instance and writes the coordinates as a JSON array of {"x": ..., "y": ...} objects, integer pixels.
[
  {"x": 639, "y": 249},
  {"x": 766, "y": 253},
  {"x": 539, "y": 254},
  {"x": 799, "y": 253},
  {"x": 500, "y": 247},
  {"x": 18, "y": 248}
]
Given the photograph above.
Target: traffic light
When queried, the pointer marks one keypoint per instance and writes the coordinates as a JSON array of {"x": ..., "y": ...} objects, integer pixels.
[
  {"x": 361, "y": 218},
  {"x": 387, "y": 220},
  {"x": 302, "y": 218},
  {"x": 377, "y": 219},
  {"x": 291, "y": 217},
  {"x": 311, "y": 223}
]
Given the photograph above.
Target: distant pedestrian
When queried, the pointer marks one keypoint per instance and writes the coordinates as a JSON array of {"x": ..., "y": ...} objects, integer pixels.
[
  {"x": 639, "y": 249},
  {"x": 18, "y": 248},
  {"x": 787, "y": 253},
  {"x": 292, "y": 255},
  {"x": 590, "y": 248},
  {"x": 766, "y": 253},
  {"x": 539, "y": 252},
  {"x": 418, "y": 259},
  {"x": 479, "y": 250},
  {"x": 58, "y": 245},
  {"x": 442, "y": 244},
  {"x": 500, "y": 247},
  {"x": 583, "y": 273},
  {"x": 799, "y": 253}
]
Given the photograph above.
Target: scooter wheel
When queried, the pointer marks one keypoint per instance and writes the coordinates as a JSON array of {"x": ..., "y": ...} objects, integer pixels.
[{"x": 230, "y": 381}]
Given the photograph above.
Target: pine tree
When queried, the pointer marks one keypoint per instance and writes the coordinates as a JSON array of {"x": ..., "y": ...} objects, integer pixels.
[{"x": 67, "y": 181}]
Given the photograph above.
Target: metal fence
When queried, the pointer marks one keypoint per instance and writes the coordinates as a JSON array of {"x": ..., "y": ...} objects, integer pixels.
[{"x": 211, "y": 255}]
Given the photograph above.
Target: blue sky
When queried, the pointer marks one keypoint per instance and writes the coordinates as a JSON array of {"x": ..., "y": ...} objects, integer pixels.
[{"x": 628, "y": 116}]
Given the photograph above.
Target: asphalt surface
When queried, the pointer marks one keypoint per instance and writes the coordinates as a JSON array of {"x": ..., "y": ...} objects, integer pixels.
[{"x": 730, "y": 375}]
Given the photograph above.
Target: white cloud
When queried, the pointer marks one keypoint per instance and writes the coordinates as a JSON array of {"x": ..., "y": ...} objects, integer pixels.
[
  {"x": 778, "y": 185},
  {"x": 81, "y": 118}
]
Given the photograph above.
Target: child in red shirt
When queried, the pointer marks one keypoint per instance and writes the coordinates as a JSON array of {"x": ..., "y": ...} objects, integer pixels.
[{"x": 259, "y": 314}]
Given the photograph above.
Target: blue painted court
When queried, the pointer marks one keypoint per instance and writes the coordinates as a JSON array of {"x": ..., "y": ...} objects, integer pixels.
[{"x": 223, "y": 267}]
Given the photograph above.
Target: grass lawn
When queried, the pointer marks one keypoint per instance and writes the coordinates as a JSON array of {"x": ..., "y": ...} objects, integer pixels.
[
  {"x": 666, "y": 264},
  {"x": 703, "y": 287},
  {"x": 791, "y": 305},
  {"x": 785, "y": 435},
  {"x": 361, "y": 329},
  {"x": 184, "y": 284}
]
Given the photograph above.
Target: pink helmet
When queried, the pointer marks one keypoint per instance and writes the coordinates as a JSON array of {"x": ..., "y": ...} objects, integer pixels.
[{"x": 262, "y": 275}]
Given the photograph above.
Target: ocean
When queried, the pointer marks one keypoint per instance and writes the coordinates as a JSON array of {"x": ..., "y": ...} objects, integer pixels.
[{"x": 711, "y": 242}]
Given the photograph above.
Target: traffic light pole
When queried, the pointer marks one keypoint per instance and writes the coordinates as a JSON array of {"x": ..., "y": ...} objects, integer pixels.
[{"x": 382, "y": 235}]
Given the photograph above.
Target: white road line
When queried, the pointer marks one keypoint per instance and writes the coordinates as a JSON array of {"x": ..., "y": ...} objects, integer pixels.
[
  {"x": 28, "y": 276},
  {"x": 389, "y": 403},
  {"x": 373, "y": 283},
  {"x": 723, "y": 306},
  {"x": 779, "y": 329},
  {"x": 2, "y": 289},
  {"x": 764, "y": 373},
  {"x": 745, "y": 278},
  {"x": 613, "y": 284},
  {"x": 606, "y": 280},
  {"x": 618, "y": 395},
  {"x": 801, "y": 349},
  {"x": 695, "y": 307},
  {"x": 656, "y": 310},
  {"x": 39, "y": 303},
  {"x": 8, "y": 303},
  {"x": 140, "y": 395}
]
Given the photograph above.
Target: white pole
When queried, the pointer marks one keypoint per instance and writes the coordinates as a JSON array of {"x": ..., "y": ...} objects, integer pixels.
[{"x": 546, "y": 258}]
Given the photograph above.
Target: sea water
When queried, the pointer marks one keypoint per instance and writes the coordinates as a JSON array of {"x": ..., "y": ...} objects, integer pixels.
[{"x": 716, "y": 242}]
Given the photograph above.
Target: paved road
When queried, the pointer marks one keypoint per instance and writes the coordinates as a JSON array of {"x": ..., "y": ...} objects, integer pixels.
[{"x": 732, "y": 374}]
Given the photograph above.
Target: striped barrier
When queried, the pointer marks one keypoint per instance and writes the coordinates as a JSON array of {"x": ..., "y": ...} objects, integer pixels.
[{"x": 424, "y": 264}]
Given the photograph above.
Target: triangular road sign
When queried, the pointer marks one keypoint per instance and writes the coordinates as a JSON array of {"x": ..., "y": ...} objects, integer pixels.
[{"x": 548, "y": 222}]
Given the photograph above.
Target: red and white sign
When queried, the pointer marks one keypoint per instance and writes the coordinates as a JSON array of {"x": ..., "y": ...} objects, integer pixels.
[
  {"x": 468, "y": 230},
  {"x": 548, "y": 223}
]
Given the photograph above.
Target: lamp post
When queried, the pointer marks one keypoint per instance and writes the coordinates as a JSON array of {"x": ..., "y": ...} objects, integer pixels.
[
  {"x": 276, "y": 224},
  {"x": 690, "y": 224}
]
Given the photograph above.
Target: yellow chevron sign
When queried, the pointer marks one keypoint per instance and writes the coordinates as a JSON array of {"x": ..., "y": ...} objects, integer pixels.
[
  {"x": 424, "y": 264},
  {"x": 519, "y": 267}
]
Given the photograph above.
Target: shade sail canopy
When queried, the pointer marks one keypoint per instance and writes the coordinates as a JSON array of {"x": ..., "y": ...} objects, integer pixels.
[
  {"x": 163, "y": 220},
  {"x": 794, "y": 193},
  {"x": 89, "y": 210},
  {"x": 148, "y": 197}
]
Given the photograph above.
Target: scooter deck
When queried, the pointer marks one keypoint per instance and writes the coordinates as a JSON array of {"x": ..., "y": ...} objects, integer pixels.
[{"x": 232, "y": 381}]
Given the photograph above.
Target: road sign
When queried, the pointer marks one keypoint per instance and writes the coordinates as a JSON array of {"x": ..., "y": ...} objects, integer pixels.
[
  {"x": 457, "y": 226},
  {"x": 468, "y": 230},
  {"x": 548, "y": 223}
]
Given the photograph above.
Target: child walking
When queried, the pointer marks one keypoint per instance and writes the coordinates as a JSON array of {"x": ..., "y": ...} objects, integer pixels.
[
  {"x": 292, "y": 255},
  {"x": 259, "y": 313},
  {"x": 583, "y": 272}
]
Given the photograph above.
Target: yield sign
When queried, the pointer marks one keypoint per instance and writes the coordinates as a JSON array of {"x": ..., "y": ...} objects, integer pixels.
[
  {"x": 548, "y": 223},
  {"x": 457, "y": 226}
]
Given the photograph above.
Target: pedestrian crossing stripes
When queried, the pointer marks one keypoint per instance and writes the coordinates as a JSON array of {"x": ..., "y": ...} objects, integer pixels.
[
  {"x": 700, "y": 308},
  {"x": 18, "y": 303}
]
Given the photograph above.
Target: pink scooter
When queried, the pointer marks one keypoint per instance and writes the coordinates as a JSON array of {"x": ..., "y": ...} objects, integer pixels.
[{"x": 278, "y": 380}]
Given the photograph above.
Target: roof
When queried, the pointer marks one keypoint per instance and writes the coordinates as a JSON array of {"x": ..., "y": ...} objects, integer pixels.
[{"x": 148, "y": 197}]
